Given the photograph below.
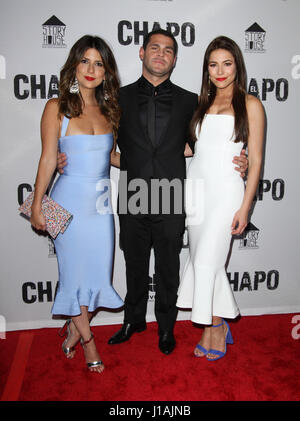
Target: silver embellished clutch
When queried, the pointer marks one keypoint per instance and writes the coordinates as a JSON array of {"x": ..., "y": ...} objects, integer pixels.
[{"x": 57, "y": 217}]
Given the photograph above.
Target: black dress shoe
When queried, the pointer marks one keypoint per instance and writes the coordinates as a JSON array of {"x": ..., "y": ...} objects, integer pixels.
[
  {"x": 126, "y": 331},
  {"x": 166, "y": 342}
]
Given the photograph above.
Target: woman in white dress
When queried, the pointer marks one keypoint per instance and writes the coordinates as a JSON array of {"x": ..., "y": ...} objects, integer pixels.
[{"x": 217, "y": 202}]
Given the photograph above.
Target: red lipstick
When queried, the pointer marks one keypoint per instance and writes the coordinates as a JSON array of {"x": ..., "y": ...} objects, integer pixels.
[
  {"x": 221, "y": 79},
  {"x": 89, "y": 78}
]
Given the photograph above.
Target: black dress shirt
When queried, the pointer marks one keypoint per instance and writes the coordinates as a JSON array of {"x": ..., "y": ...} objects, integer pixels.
[{"x": 155, "y": 104}]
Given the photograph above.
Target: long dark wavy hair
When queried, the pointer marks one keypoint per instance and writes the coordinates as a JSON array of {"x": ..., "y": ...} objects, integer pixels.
[
  {"x": 208, "y": 90},
  {"x": 71, "y": 104}
]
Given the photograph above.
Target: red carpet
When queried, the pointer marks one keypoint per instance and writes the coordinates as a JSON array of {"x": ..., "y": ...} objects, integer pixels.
[{"x": 262, "y": 365}]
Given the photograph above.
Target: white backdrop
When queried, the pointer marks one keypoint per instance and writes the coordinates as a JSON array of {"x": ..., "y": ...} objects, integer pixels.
[{"x": 36, "y": 37}]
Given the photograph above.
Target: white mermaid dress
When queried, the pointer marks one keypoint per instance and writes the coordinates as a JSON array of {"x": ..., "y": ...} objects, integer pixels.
[{"x": 214, "y": 192}]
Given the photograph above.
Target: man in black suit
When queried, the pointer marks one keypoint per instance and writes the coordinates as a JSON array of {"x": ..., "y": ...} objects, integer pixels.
[
  {"x": 153, "y": 132},
  {"x": 152, "y": 136}
]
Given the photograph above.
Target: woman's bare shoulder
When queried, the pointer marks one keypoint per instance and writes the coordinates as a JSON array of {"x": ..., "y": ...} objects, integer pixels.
[
  {"x": 52, "y": 109},
  {"x": 253, "y": 105}
]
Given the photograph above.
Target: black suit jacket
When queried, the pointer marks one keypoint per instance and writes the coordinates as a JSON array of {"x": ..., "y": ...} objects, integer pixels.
[{"x": 139, "y": 158}]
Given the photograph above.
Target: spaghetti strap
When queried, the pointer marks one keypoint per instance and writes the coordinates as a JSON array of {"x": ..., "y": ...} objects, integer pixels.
[{"x": 64, "y": 126}]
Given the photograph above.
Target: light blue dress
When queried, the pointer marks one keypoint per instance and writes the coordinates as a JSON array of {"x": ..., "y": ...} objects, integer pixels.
[{"x": 85, "y": 250}]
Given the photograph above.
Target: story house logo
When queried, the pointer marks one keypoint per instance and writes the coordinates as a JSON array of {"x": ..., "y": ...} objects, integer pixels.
[
  {"x": 249, "y": 238},
  {"x": 255, "y": 39},
  {"x": 54, "y": 33}
]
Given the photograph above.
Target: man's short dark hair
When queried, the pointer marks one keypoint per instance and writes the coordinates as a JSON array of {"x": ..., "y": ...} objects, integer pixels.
[{"x": 160, "y": 32}]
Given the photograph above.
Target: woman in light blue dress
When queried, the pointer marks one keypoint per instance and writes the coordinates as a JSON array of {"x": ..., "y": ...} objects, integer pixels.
[{"x": 82, "y": 123}]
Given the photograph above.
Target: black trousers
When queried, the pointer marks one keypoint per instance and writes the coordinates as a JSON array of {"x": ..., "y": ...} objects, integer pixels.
[{"x": 138, "y": 234}]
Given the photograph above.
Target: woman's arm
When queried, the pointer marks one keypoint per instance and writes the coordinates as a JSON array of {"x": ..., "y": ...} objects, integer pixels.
[
  {"x": 115, "y": 156},
  {"x": 50, "y": 126},
  {"x": 256, "y": 119}
]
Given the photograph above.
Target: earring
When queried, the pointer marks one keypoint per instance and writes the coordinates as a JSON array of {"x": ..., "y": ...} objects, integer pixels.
[
  {"x": 74, "y": 88},
  {"x": 208, "y": 86},
  {"x": 105, "y": 93}
]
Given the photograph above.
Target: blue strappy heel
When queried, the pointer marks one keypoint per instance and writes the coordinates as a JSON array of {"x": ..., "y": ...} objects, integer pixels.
[
  {"x": 202, "y": 349},
  {"x": 228, "y": 340}
]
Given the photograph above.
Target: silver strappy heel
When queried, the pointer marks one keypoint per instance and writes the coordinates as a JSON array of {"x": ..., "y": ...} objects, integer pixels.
[
  {"x": 65, "y": 330},
  {"x": 94, "y": 363}
]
